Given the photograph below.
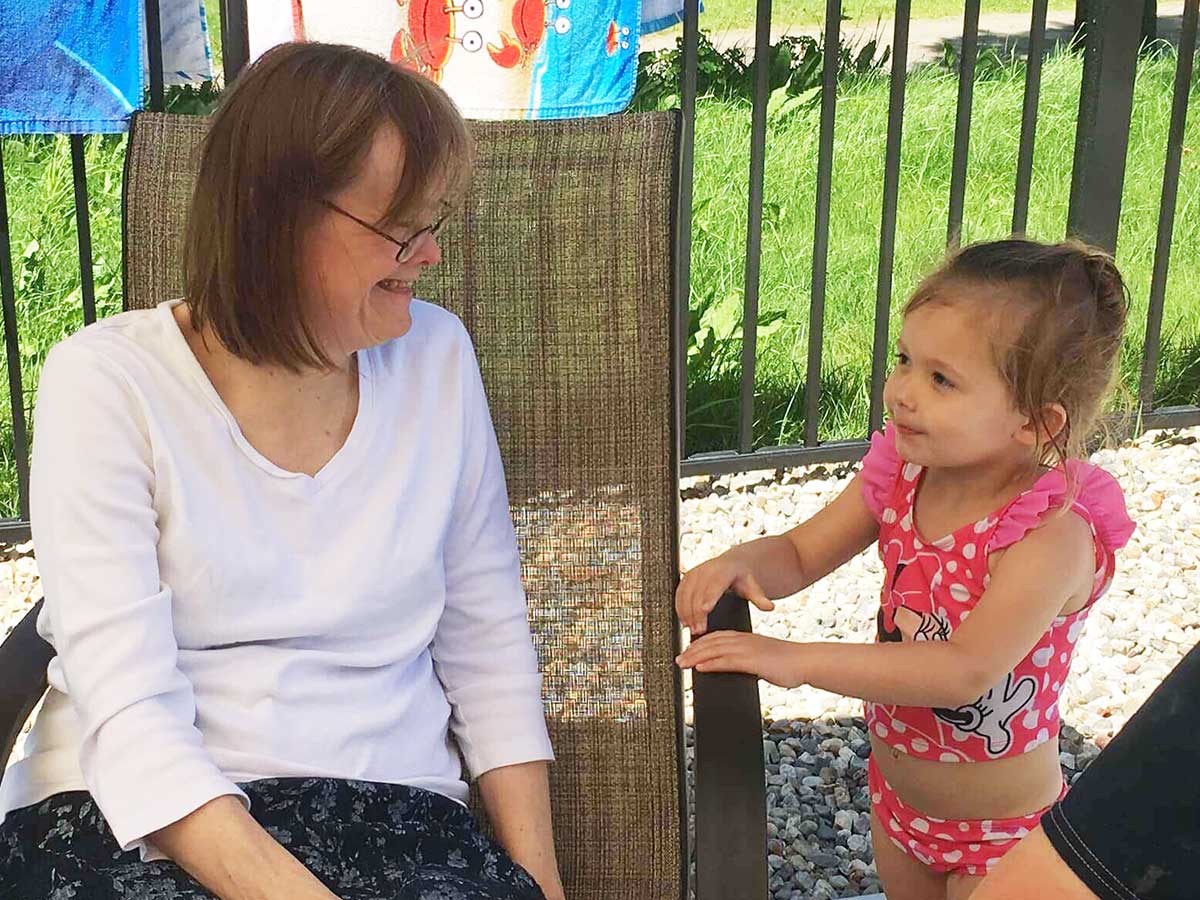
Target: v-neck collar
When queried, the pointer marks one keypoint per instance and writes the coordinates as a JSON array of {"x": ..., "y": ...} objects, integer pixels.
[{"x": 341, "y": 462}]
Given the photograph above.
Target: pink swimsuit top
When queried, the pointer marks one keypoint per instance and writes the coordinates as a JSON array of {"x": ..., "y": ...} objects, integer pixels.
[{"x": 930, "y": 587}]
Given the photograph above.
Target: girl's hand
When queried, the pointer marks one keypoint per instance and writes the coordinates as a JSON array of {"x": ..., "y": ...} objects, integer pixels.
[
  {"x": 704, "y": 585},
  {"x": 734, "y": 651}
]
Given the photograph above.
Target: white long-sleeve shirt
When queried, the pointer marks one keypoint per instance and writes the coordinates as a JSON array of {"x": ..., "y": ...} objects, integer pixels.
[{"x": 218, "y": 619}]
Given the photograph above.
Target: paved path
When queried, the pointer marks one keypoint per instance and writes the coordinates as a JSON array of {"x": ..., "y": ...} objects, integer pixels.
[{"x": 926, "y": 36}]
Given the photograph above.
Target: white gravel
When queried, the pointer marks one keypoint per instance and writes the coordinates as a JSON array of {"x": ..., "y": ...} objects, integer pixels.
[
  {"x": 20, "y": 586},
  {"x": 1137, "y": 633}
]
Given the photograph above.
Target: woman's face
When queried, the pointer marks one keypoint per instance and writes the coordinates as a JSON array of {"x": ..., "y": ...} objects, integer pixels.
[{"x": 359, "y": 295}]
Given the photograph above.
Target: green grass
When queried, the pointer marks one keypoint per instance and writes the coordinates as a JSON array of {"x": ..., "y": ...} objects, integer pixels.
[
  {"x": 718, "y": 256},
  {"x": 212, "y": 12},
  {"x": 38, "y": 182},
  {"x": 44, "y": 243},
  {"x": 722, "y": 15},
  {"x": 46, "y": 257}
]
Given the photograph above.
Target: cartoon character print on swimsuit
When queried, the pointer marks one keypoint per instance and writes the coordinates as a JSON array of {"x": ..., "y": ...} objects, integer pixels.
[{"x": 989, "y": 717}]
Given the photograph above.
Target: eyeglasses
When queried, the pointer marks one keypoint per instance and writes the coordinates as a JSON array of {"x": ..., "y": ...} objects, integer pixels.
[{"x": 404, "y": 249}]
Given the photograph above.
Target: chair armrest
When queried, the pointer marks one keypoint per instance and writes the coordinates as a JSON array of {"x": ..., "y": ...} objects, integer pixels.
[
  {"x": 23, "y": 660},
  {"x": 731, "y": 804}
]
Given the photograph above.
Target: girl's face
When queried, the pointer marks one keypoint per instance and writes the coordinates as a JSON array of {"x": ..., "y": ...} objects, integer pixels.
[{"x": 950, "y": 406}]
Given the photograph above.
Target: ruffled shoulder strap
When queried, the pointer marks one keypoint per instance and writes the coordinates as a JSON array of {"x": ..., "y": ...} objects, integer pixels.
[
  {"x": 1098, "y": 497},
  {"x": 880, "y": 469}
]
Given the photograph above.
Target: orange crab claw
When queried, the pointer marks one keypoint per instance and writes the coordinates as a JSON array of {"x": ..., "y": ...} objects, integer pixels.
[
  {"x": 297, "y": 20},
  {"x": 404, "y": 51},
  {"x": 508, "y": 54}
]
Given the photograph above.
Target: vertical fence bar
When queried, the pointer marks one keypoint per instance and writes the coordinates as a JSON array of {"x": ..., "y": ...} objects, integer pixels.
[
  {"x": 758, "y": 154},
  {"x": 8, "y": 300},
  {"x": 83, "y": 229},
  {"x": 683, "y": 215},
  {"x": 235, "y": 38},
  {"x": 816, "y": 312},
  {"x": 1166, "y": 209},
  {"x": 1029, "y": 111},
  {"x": 1105, "y": 109},
  {"x": 154, "y": 54},
  {"x": 891, "y": 195},
  {"x": 962, "y": 124}
]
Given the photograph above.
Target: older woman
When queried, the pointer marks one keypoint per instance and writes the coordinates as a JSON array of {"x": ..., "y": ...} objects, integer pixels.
[{"x": 273, "y": 529}]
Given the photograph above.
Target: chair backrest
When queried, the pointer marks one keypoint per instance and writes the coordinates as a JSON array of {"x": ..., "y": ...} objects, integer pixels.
[{"x": 561, "y": 267}]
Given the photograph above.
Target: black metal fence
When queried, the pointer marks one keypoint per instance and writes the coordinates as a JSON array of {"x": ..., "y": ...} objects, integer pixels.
[
  {"x": 1110, "y": 62},
  {"x": 1111, "y": 44}
]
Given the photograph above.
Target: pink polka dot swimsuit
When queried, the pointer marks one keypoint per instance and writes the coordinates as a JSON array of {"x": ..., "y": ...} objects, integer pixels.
[{"x": 930, "y": 587}]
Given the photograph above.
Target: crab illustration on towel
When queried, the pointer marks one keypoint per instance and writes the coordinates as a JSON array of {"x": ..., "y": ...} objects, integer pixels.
[
  {"x": 426, "y": 45},
  {"x": 616, "y": 39},
  {"x": 530, "y": 19}
]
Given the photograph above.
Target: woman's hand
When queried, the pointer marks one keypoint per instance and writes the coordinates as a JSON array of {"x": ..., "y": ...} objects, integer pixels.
[
  {"x": 776, "y": 661},
  {"x": 549, "y": 883},
  {"x": 227, "y": 851},
  {"x": 704, "y": 585},
  {"x": 517, "y": 801}
]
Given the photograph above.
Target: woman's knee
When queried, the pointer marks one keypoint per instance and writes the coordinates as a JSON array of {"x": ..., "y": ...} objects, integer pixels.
[{"x": 1033, "y": 868}]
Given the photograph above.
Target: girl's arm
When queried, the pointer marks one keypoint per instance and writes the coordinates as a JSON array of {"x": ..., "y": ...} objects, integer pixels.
[
  {"x": 780, "y": 565},
  {"x": 1030, "y": 586}
]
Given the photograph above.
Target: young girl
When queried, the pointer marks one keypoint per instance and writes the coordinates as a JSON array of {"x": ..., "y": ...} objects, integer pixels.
[{"x": 996, "y": 540}]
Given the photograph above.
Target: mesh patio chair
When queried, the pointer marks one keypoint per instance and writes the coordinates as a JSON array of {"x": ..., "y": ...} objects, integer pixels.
[{"x": 560, "y": 264}]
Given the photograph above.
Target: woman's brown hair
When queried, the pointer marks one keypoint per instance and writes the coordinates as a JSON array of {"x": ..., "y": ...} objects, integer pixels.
[
  {"x": 295, "y": 128},
  {"x": 1057, "y": 314}
]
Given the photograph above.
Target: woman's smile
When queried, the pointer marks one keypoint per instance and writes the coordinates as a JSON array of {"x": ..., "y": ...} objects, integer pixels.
[{"x": 396, "y": 286}]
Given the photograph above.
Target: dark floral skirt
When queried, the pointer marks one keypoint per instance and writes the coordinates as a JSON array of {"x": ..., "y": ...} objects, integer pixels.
[{"x": 364, "y": 840}]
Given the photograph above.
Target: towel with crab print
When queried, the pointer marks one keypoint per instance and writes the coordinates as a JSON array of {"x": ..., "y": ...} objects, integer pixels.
[{"x": 498, "y": 59}]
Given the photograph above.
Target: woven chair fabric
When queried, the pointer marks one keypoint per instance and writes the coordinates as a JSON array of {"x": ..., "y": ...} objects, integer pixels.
[{"x": 559, "y": 264}]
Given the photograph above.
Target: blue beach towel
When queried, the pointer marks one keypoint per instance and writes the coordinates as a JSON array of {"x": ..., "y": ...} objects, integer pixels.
[{"x": 69, "y": 66}]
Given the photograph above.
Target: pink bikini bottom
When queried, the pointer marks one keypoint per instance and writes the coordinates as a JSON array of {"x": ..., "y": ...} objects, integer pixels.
[{"x": 946, "y": 845}]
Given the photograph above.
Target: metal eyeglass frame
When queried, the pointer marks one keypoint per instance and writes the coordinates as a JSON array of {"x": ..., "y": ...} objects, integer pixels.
[{"x": 405, "y": 248}]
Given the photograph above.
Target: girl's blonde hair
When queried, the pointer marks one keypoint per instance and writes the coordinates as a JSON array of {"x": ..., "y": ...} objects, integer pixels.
[{"x": 1057, "y": 314}]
